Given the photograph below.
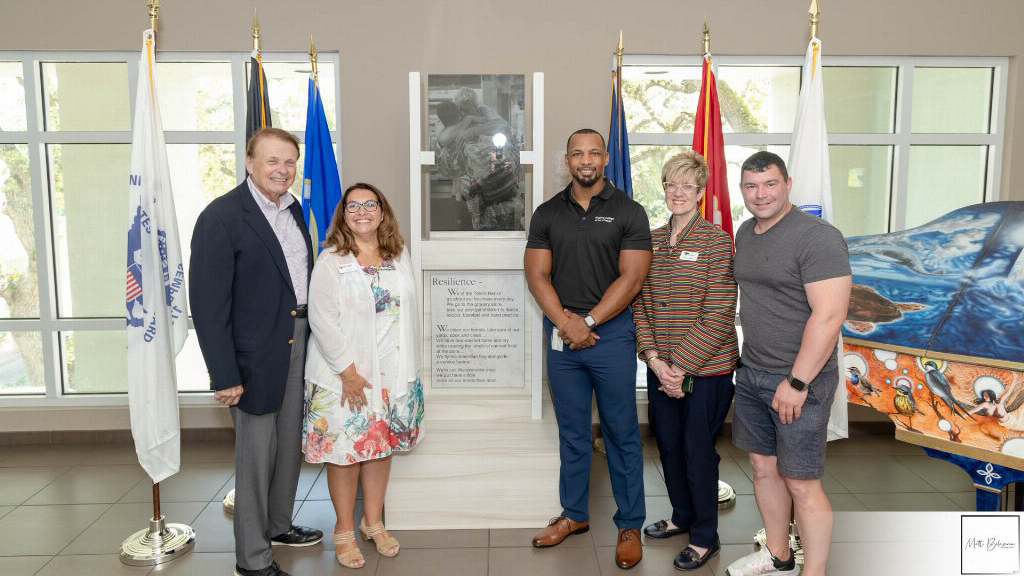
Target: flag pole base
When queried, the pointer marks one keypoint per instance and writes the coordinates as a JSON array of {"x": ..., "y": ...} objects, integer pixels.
[
  {"x": 229, "y": 502},
  {"x": 159, "y": 543},
  {"x": 760, "y": 540},
  {"x": 726, "y": 496}
]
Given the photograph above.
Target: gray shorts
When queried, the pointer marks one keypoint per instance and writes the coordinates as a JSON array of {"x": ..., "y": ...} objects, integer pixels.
[{"x": 756, "y": 428}]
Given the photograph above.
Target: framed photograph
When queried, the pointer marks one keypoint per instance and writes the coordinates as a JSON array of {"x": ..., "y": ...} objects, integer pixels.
[{"x": 477, "y": 125}]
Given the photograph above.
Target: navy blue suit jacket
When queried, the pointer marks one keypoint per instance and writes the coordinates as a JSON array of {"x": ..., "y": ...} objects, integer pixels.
[{"x": 242, "y": 298}]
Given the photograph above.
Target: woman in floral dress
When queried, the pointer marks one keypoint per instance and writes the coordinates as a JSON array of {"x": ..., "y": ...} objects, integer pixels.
[{"x": 364, "y": 400}]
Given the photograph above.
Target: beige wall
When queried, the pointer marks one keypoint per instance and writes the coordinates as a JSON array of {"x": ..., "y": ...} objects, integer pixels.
[
  {"x": 571, "y": 42},
  {"x": 381, "y": 41}
]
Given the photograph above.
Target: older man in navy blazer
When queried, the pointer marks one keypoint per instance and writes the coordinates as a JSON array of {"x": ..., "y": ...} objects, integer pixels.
[{"x": 250, "y": 266}]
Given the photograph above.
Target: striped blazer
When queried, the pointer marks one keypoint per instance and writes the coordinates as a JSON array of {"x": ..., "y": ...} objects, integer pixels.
[{"x": 687, "y": 307}]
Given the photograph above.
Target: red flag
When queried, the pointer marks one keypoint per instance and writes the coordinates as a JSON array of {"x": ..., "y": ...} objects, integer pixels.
[{"x": 707, "y": 141}]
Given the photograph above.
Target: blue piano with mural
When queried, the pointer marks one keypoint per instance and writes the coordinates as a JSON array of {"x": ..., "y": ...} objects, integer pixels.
[{"x": 934, "y": 338}]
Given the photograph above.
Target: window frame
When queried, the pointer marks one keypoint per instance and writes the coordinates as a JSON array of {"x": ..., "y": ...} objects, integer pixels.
[
  {"x": 49, "y": 324},
  {"x": 901, "y": 139}
]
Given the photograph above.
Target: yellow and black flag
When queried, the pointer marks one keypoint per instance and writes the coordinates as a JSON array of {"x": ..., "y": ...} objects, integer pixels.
[{"x": 257, "y": 113}]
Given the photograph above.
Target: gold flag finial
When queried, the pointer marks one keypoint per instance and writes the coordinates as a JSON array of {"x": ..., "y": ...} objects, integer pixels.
[
  {"x": 618, "y": 51},
  {"x": 815, "y": 17},
  {"x": 154, "y": 10},
  {"x": 707, "y": 37},
  {"x": 255, "y": 31},
  {"x": 312, "y": 54}
]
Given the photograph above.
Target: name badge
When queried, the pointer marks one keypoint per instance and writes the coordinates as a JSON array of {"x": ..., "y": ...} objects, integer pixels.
[
  {"x": 688, "y": 256},
  {"x": 556, "y": 343},
  {"x": 350, "y": 267}
]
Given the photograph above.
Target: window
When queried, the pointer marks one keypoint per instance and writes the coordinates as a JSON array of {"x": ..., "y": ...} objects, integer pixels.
[
  {"x": 910, "y": 139},
  {"x": 65, "y": 146},
  {"x": 895, "y": 126}
]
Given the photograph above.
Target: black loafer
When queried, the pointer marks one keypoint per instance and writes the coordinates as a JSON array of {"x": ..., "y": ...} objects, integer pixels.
[
  {"x": 298, "y": 536},
  {"x": 272, "y": 570},
  {"x": 689, "y": 559},
  {"x": 660, "y": 530}
]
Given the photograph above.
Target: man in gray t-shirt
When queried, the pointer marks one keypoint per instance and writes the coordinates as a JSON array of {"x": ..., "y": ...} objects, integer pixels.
[{"x": 793, "y": 272}]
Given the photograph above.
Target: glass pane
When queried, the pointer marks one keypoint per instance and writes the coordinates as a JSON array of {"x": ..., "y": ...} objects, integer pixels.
[
  {"x": 861, "y": 177},
  {"x": 646, "y": 163},
  {"x": 660, "y": 99},
  {"x": 952, "y": 100},
  {"x": 288, "y": 86},
  {"x": 199, "y": 173},
  {"x": 12, "y": 97},
  {"x": 196, "y": 96},
  {"x": 21, "y": 363},
  {"x": 191, "y": 368},
  {"x": 734, "y": 158},
  {"x": 758, "y": 98},
  {"x": 934, "y": 189},
  {"x": 95, "y": 362},
  {"x": 860, "y": 100},
  {"x": 90, "y": 210},
  {"x": 86, "y": 96},
  {"x": 19, "y": 285}
]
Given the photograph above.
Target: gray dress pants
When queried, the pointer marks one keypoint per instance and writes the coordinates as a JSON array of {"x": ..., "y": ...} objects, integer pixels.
[{"x": 268, "y": 456}]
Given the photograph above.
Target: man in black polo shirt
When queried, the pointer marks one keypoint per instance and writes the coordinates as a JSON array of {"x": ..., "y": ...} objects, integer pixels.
[{"x": 587, "y": 257}]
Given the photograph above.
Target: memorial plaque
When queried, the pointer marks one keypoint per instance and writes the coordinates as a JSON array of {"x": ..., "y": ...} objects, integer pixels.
[{"x": 477, "y": 323}]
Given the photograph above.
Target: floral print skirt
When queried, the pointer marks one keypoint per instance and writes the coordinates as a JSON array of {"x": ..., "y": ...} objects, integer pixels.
[{"x": 334, "y": 434}]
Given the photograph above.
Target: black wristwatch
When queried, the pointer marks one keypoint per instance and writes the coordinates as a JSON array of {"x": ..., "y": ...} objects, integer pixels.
[
  {"x": 797, "y": 384},
  {"x": 589, "y": 321}
]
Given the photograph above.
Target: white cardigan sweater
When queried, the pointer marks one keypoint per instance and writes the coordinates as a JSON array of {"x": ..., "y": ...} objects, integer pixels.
[{"x": 341, "y": 315}]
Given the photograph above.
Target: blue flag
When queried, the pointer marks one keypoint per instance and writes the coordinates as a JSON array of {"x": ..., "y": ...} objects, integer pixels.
[
  {"x": 618, "y": 171},
  {"x": 321, "y": 184}
]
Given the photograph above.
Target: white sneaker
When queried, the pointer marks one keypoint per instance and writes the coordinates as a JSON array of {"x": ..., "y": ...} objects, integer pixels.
[{"x": 762, "y": 563}]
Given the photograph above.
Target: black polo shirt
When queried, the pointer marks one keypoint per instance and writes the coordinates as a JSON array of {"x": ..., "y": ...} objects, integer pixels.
[{"x": 585, "y": 245}]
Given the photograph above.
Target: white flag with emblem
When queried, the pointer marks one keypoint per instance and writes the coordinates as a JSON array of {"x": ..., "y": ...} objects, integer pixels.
[
  {"x": 155, "y": 298},
  {"x": 812, "y": 189}
]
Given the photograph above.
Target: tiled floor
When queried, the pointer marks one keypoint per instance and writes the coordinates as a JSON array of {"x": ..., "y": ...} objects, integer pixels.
[{"x": 64, "y": 510}]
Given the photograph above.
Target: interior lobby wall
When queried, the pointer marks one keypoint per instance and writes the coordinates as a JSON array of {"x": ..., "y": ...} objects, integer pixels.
[{"x": 570, "y": 42}]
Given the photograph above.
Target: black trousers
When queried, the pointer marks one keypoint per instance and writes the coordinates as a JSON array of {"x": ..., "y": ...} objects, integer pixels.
[{"x": 685, "y": 430}]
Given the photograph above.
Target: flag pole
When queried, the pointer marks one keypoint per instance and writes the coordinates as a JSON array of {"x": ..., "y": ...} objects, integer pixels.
[
  {"x": 726, "y": 494},
  {"x": 161, "y": 542}
]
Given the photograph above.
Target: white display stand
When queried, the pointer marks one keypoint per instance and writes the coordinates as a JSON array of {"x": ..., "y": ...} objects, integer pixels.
[
  {"x": 483, "y": 253},
  {"x": 489, "y": 457}
]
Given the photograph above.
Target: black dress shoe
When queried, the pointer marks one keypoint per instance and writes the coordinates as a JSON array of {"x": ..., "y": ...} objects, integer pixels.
[
  {"x": 689, "y": 559},
  {"x": 272, "y": 570},
  {"x": 298, "y": 536},
  {"x": 660, "y": 530}
]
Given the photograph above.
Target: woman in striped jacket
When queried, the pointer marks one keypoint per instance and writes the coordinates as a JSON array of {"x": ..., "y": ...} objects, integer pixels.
[{"x": 685, "y": 332}]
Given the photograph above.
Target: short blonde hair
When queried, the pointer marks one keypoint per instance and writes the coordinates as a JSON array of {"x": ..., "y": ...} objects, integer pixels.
[{"x": 684, "y": 166}]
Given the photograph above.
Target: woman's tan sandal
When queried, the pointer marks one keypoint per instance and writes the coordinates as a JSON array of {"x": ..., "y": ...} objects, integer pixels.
[
  {"x": 388, "y": 546},
  {"x": 350, "y": 557}
]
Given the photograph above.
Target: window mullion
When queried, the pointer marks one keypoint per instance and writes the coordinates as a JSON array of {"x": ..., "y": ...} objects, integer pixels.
[
  {"x": 901, "y": 156},
  {"x": 41, "y": 224}
]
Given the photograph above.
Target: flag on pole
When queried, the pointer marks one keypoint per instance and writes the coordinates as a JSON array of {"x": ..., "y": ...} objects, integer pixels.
[
  {"x": 618, "y": 171},
  {"x": 155, "y": 296},
  {"x": 707, "y": 141},
  {"x": 812, "y": 189},
  {"x": 257, "y": 109},
  {"x": 321, "y": 184}
]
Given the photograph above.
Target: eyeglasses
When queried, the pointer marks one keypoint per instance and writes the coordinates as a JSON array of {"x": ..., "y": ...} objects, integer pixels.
[
  {"x": 369, "y": 206},
  {"x": 672, "y": 187}
]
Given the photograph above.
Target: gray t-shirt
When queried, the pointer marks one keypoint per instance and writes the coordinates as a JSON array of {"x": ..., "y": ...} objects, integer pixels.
[{"x": 771, "y": 270}]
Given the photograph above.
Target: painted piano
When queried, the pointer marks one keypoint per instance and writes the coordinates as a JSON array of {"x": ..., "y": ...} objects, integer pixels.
[{"x": 934, "y": 338}]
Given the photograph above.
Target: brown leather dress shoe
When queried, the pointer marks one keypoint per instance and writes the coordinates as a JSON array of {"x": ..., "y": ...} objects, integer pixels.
[
  {"x": 629, "y": 550},
  {"x": 558, "y": 529}
]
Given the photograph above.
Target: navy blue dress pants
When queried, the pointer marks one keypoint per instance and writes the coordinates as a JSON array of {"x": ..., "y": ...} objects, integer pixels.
[
  {"x": 607, "y": 370},
  {"x": 685, "y": 430}
]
